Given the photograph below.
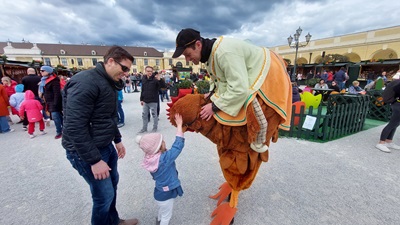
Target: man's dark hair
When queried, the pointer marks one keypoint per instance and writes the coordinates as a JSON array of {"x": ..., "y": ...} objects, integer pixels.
[{"x": 118, "y": 54}]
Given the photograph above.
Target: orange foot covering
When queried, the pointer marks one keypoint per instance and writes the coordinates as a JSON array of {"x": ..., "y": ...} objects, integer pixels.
[
  {"x": 224, "y": 213},
  {"x": 224, "y": 191}
]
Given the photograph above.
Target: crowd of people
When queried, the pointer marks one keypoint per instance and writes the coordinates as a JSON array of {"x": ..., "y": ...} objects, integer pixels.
[{"x": 36, "y": 99}]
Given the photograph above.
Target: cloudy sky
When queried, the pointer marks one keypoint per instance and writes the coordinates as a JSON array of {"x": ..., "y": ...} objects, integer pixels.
[{"x": 156, "y": 23}]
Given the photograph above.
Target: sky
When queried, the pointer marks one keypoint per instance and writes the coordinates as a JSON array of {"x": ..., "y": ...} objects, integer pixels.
[{"x": 147, "y": 23}]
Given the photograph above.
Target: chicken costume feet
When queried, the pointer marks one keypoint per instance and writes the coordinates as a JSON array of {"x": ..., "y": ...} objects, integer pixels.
[{"x": 225, "y": 212}]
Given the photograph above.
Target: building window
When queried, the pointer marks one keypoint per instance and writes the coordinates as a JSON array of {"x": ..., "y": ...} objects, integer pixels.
[
  {"x": 134, "y": 70},
  {"x": 170, "y": 62},
  {"x": 94, "y": 52},
  {"x": 47, "y": 62},
  {"x": 94, "y": 61},
  {"x": 62, "y": 52},
  {"x": 187, "y": 63},
  {"x": 157, "y": 62},
  {"x": 145, "y": 53},
  {"x": 80, "y": 63},
  {"x": 134, "y": 61},
  {"x": 64, "y": 61},
  {"x": 146, "y": 62}
]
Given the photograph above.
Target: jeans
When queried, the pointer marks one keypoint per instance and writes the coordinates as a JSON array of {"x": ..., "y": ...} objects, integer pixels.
[
  {"x": 4, "y": 126},
  {"x": 150, "y": 107},
  {"x": 128, "y": 88},
  {"x": 164, "y": 94},
  {"x": 58, "y": 121},
  {"x": 104, "y": 192},
  {"x": 121, "y": 115},
  {"x": 341, "y": 84}
]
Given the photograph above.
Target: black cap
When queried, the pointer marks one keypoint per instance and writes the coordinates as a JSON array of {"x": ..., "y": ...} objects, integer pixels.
[{"x": 185, "y": 38}]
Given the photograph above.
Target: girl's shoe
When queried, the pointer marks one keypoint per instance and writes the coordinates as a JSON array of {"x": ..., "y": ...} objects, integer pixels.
[
  {"x": 42, "y": 132},
  {"x": 32, "y": 136}
]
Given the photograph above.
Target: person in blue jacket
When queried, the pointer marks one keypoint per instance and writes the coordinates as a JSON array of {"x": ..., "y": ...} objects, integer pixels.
[{"x": 160, "y": 162}]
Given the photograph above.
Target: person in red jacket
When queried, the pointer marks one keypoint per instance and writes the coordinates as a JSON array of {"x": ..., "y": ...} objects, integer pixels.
[
  {"x": 33, "y": 110},
  {"x": 9, "y": 86},
  {"x": 4, "y": 103}
]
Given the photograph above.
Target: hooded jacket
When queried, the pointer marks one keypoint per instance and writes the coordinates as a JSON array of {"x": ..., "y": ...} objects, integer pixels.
[
  {"x": 18, "y": 97},
  {"x": 32, "y": 107},
  {"x": 90, "y": 113}
]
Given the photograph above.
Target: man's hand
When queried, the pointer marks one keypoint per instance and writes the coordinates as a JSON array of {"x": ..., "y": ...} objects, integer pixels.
[
  {"x": 121, "y": 150},
  {"x": 142, "y": 103},
  {"x": 206, "y": 95},
  {"x": 206, "y": 112},
  {"x": 101, "y": 170}
]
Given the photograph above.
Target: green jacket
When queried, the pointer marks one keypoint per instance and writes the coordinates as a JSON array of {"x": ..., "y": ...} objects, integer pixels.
[{"x": 238, "y": 70}]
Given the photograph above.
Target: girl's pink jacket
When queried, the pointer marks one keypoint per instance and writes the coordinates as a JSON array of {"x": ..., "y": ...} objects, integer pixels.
[{"x": 32, "y": 107}]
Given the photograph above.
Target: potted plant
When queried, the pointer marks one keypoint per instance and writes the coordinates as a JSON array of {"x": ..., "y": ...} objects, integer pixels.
[
  {"x": 184, "y": 87},
  {"x": 203, "y": 86}
]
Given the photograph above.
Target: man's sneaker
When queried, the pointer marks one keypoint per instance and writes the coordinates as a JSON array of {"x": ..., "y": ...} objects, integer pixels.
[
  {"x": 24, "y": 128},
  {"x": 9, "y": 131},
  {"x": 133, "y": 221},
  {"x": 120, "y": 125},
  {"x": 392, "y": 146},
  {"x": 142, "y": 131},
  {"x": 42, "y": 132},
  {"x": 58, "y": 136},
  {"x": 32, "y": 136},
  {"x": 154, "y": 130},
  {"x": 383, "y": 148}
]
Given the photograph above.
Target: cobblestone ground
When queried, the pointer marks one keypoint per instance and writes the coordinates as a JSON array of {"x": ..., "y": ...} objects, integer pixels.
[{"x": 346, "y": 181}]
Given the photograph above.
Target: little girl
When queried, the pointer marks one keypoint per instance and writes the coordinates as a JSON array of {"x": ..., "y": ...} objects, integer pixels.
[
  {"x": 160, "y": 162},
  {"x": 33, "y": 110}
]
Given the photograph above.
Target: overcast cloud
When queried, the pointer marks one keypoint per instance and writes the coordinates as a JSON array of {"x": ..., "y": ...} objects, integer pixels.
[{"x": 156, "y": 23}]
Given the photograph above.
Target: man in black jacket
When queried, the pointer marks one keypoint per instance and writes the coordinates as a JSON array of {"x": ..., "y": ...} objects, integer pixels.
[
  {"x": 31, "y": 82},
  {"x": 90, "y": 127},
  {"x": 149, "y": 98}
]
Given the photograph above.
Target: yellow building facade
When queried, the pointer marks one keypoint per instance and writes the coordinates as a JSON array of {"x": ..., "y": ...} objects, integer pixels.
[{"x": 374, "y": 45}]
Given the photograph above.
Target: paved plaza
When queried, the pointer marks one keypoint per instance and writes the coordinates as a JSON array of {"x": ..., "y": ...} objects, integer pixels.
[{"x": 346, "y": 181}]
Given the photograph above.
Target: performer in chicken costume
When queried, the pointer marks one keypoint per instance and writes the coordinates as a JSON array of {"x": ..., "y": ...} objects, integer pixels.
[{"x": 250, "y": 98}]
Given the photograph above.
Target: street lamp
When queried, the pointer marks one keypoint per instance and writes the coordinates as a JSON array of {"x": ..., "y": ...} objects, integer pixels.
[{"x": 296, "y": 44}]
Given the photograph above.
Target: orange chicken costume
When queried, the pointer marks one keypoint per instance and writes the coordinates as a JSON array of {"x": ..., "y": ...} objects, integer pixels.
[{"x": 233, "y": 135}]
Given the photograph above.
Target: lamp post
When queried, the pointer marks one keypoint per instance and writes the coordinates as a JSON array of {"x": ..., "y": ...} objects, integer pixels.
[{"x": 296, "y": 44}]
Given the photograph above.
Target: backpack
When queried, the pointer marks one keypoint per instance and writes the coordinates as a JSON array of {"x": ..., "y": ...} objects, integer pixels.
[{"x": 389, "y": 94}]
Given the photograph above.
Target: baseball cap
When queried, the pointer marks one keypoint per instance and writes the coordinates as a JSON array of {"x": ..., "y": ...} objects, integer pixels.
[{"x": 185, "y": 38}]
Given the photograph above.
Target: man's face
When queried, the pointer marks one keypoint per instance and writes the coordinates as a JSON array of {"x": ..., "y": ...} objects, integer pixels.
[
  {"x": 149, "y": 72},
  {"x": 116, "y": 70},
  {"x": 193, "y": 55}
]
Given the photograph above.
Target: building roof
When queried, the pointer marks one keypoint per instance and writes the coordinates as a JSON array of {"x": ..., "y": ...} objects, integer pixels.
[{"x": 82, "y": 50}]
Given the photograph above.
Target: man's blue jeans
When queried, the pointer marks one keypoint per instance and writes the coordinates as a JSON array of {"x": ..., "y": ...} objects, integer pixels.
[
  {"x": 104, "y": 192},
  {"x": 4, "y": 126},
  {"x": 121, "y": 115},
  {"x": 58, "y": 121}
]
